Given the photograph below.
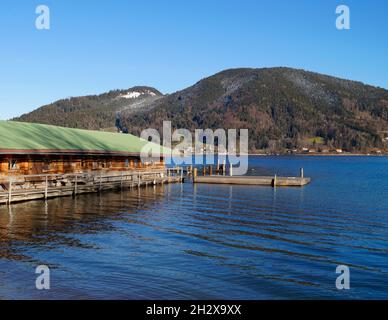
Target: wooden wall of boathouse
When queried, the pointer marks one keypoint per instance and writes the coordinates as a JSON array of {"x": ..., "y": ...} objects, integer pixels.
[{"x": 64, "y": 164}]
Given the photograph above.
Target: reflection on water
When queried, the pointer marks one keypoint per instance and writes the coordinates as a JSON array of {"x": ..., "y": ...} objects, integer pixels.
[
  {"x": 205, "y": 241},
  {"x": 55, "y": 223}
]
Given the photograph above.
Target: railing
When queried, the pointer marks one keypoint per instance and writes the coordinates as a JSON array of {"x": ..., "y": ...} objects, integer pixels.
[{"x": 45, "y": 185}]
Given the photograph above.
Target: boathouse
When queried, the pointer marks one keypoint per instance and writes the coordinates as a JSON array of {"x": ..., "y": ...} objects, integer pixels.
[
  {"x": 44, "y": 161},
  {"x": 31, "y": 149}
]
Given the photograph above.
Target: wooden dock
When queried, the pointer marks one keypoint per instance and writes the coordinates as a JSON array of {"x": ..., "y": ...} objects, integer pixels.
[
  {"x": 221, "y": 178},
  {"x": 254, "y": 180},
  {"x": 34, "y": 187}
]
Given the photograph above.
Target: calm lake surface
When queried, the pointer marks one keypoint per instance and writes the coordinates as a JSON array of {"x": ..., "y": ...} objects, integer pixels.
[{"x": 188, "y": 241}]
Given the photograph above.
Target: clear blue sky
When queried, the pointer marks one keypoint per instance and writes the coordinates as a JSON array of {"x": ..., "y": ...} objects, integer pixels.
[{"x": 99, "y": 45}]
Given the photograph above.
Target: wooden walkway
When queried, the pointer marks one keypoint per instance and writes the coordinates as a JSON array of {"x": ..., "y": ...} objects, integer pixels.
[{"x": 34, "y": 187}]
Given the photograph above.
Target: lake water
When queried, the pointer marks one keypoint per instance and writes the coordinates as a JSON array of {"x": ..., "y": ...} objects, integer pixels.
[{"x": 188, "y": 241}]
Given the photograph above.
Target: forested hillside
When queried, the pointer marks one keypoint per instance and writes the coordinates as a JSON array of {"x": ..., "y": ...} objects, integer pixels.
[
  {"x": 94, "y": 112},
  {"x": 283, "y": 109}
]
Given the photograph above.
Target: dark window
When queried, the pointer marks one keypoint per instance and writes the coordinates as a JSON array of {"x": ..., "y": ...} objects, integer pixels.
[
  {"x": 13, "y": 165},
  {"x": 47, "y": 165}
]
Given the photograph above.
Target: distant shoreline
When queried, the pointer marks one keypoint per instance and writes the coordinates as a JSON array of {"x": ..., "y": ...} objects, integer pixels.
[
  {"x": 302, "y": 154},
  {"x": 319, "y": 155}
]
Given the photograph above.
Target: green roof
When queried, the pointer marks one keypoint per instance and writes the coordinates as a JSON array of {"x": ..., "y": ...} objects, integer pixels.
[{"x": 39, "y": 138}]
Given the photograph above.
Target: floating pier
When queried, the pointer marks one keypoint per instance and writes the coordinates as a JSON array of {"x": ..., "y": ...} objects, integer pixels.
[
  {"x": 255, "y": 180},
  {"x": 222, "y": 178}
]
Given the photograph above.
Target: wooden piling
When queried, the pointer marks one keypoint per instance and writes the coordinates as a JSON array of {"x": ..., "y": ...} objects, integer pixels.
[
  {"x": 195, "y": 173},
  {"x": 75, "y": 185},
  {"x": 46, "y": 189},
  {"x": 301, "y": 173},
  {"x": 10, "y": 191}
]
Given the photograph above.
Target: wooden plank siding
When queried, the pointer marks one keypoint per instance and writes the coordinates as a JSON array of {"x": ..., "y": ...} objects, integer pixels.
[{"x": 49, "y": 164}]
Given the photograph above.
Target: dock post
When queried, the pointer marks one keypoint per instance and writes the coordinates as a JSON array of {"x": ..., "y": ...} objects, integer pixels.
[
  {"x": 275, "y": 180},
  {"x": 210, "y": 170},
  {"x": 224, "y": 167},
  {"x": 195, "y": 173},
  {"x": 10, "y": 191},
  {"x": 75, "y": 184},
  {"x": 181, "y": 174},
  {"x": 231, "y": 170},
  {"x": 46, "y": 188},
  {"x": 122, "y": 180},
  {"x": 139, "y": 180},
  {"x": 218, "y": 166},
  {"x": 204, "y": 170},
  {"x": 301, "y": 173},
  {"x": 100, "y": 181}
]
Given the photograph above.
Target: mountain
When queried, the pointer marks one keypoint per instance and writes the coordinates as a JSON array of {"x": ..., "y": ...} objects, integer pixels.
[
  {"x": 94, "y": 112},
  {"x": 283, "y": 108}
]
